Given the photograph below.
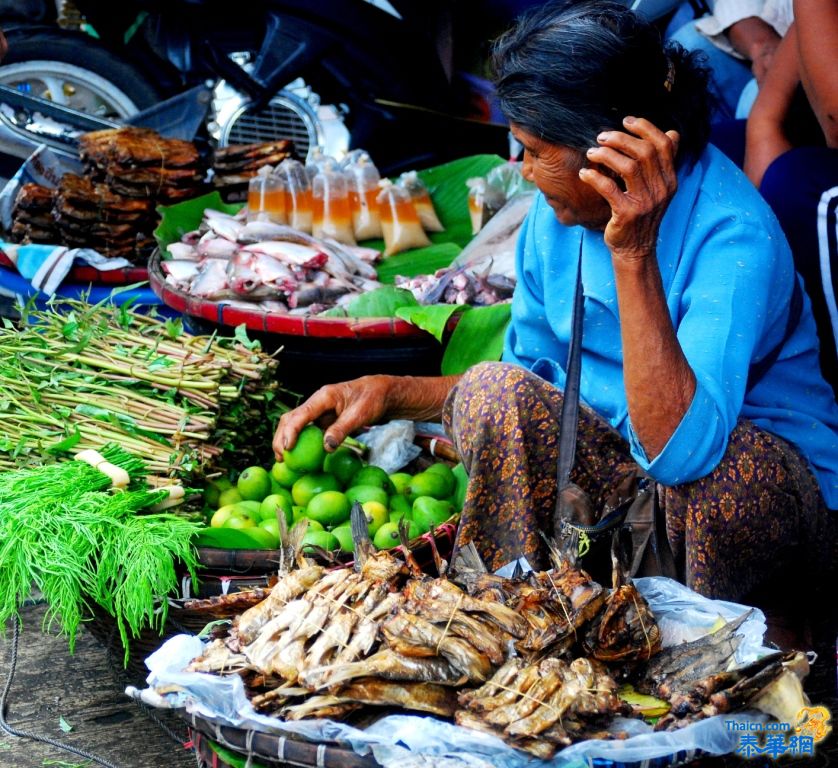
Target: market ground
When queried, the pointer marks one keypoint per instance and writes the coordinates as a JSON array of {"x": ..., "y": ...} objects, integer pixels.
[{"x": 86, "y": 690}]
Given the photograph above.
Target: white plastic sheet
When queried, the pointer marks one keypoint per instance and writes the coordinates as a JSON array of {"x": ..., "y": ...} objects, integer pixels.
[{"x": 409, "y": 741}]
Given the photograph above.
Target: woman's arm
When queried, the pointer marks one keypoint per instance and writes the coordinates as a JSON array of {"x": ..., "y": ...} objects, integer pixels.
[
  {"x": 765, "y": 139},
  {"x": 816, "y": 22},
  {"x": 757, "y": 41},
  {"x": 348, "y": 406},
  {"x": 659, "y": 383}
]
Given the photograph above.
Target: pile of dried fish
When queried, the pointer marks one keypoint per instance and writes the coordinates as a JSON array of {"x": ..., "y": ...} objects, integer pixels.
[
  {"x": 533, "y": 659},
  {"x": 32, "y": 220},
  {"x": 140, "y": 163},
  {"x": 273, "y": 265},
  {"x": 237, "y": 164}
]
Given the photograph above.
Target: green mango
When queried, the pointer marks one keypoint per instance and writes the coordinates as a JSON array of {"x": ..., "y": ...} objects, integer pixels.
[{"x": 433, "y": 484}]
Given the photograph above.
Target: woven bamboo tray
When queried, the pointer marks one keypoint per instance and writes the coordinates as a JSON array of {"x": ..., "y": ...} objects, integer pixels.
[{"x": 269, "y": 749}]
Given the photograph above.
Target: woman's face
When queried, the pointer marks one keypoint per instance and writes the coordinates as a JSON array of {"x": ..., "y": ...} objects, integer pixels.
[{"x": 554, "y": 169}]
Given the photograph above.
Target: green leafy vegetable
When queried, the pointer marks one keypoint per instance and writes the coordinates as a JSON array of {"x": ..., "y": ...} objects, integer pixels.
[
  {"x": 382, "y": 302},
  {"x": 433, "y": 318},
  {"x": 176, "y": 220},
  {"x": 478, "y": 337}
]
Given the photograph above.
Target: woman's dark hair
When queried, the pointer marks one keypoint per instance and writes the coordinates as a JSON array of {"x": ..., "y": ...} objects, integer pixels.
[{"x": 568, "y": 70}]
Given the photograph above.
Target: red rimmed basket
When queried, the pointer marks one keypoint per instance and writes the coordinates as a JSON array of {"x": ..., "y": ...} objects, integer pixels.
[{"x": 315, "y": 350}]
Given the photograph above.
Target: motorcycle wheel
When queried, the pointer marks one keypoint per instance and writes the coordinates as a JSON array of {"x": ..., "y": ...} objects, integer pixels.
[{"x": 74, "y": 70}]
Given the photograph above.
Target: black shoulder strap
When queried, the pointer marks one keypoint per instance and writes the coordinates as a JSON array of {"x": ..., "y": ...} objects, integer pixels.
[
  {"x": 570, "y": 403},
  {"x": 758, "y": 370}
]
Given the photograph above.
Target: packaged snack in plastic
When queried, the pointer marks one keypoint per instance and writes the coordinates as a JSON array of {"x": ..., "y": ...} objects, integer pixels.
[
  {"x": 421, "y": 200},
  {"x": 297, "y": 191},
  {"x": 266, "y": 197},
  {"x": 483, "y": 202},
  {"x": 363, "y": 180},
  {"x": 399, "y": 220},
  {"x": 330, "y": 206},
  {"x": 318, "y": 161},
  {"x": 354, "y": 156}
]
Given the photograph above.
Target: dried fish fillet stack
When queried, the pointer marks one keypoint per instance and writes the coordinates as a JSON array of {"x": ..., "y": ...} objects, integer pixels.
[
  {"x": 236, "y": 165},
  {"x": 542, "y": 707},
  {"x": 32, "y": 219},
  {"x": 90, "y": 215},
  {"x": 139, "y": 163}
]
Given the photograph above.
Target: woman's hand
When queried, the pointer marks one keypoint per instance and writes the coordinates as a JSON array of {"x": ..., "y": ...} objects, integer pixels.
[
  {"x": 638, "y": 179},
  {"x": 340, "y": 408},
  {"x": 4, "y": 46},
  {"x": 344, "y": 408}
]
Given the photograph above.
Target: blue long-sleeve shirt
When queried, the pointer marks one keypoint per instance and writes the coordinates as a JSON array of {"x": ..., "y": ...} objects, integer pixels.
[{"x": 728, "y": 276}]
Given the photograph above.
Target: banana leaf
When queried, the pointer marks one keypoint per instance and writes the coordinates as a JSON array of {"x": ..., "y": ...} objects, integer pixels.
[
  {"x": 178, "y": 219},
  {"x": 478, "y": 337}
]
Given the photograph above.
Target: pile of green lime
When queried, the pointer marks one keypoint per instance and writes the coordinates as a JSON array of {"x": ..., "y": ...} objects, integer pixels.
[{"x": 319, "y": 487}]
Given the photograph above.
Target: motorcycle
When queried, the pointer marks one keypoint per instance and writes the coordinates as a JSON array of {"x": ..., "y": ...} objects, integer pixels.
[{"x": 333, "y": 74}]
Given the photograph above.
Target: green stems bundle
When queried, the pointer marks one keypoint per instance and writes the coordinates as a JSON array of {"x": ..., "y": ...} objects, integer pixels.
[
  {"x": 76, "y": 375},
  {"x": 65, "y": 531}
]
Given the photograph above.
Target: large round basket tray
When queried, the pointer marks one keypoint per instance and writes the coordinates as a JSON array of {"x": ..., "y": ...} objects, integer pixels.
[
  {"x": 269, "y": 749},
  {"x": 315, "y": 350}
]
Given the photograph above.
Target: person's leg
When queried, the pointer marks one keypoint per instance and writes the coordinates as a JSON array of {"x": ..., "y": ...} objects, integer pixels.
[
  {"x": 757, "y": 516},
  {"x": 801, "y": 186},
  {"x": 729, "y": 74},
  {"x": 504, "y": 422}
]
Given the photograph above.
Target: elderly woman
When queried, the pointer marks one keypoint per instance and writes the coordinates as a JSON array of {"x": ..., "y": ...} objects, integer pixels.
[{"x": 695, "y": 365}]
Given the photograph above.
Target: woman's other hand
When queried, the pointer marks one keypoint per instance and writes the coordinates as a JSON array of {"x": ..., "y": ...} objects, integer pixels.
[
  {"x": 342, "y": 409},
  {"x": 638, "y": 179}
]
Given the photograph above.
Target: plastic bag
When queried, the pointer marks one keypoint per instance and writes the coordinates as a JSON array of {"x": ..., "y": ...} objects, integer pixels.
[
  {"x": 42, "y": 167},
  {"x": 421, "y": 201},
  {"x": 399, "y": 220},
  {"x": 391, "y": 445},
  {"x": 266, "y": 197},
  {"x": 364, "y": 179},
  {"x": 331, "y": 214},
  {"x": 297, "y": 192}
]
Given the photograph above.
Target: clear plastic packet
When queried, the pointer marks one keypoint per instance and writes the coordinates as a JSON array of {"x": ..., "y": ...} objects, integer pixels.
[
  {"x": 332, "y": 216},
  {"x": 399, "y": 220},
  {"x": 363, "y": 178},
  {"x": 318, "y": 161},
  {"x": 421, "y": 200},
  {"x": 354, "y": 156},
  {"x": 266, "y": 197},
  {"x": 297, "y": 192},
  {"x": 483, "y": 202},
  {"x": 505, "y": 181}
]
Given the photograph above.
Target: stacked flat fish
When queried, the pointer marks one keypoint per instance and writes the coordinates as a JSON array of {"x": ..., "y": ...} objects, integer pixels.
[
  {"x": 32, "y": 219},
  {"x": 139, "y": 163},
  {"x": 269, "y": 265},
  {"x": 91, "y": 215},
  {"x": 236, "y": 165}
]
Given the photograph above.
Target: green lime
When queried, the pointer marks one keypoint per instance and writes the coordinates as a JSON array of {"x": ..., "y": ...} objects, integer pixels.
[
  {"x": 372, "y": 475},
  {"x": 322, "y": 539},
  {"x": 396, "y": 515},
  {"x": 265, "y": 538},
  {"x": 399, "y": 503},
  {"x": 343, "y": 533},
  {"x": 400, "y": 480},
  {"x": 274, "y": 502},
  {"x": 283, "y": 475},
  {"x": 308, "y": 486},
  {"x": 430, "y": 484},
  {"x": 249, "y": 509},
  {"x": 239, "y": 521},
  {"x": 376, "y": 514},
  {"x": 272, "y": 527},
  {"x": 313, "y": 525},
  {"x": 297, "y": 512},
  {"x": 308, "y": 452},
  {"x": 330, "y": 508},
  {"x": 230, "y": 496},
  {"x": 214, "y": 489},
  {"x": 364, "y": 493},
  {"x": 222, "y": 515},
  {"x": 443, "y": 470},
  {"x": 343, "y": 464},
  {"x": 387, "y": 536},
  {"x": 254, "y": 484},
  {"x": 428, "y": 511}
]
